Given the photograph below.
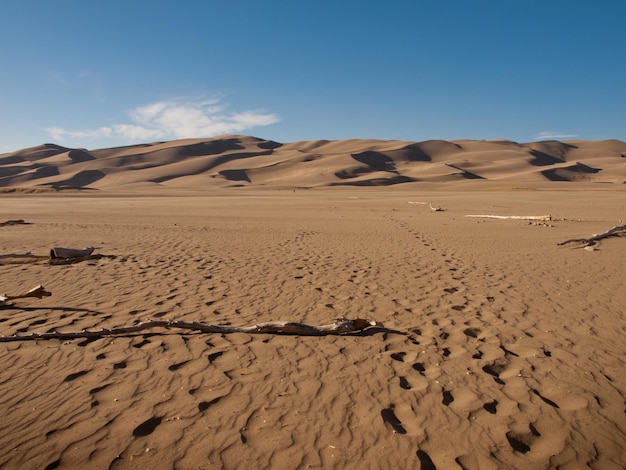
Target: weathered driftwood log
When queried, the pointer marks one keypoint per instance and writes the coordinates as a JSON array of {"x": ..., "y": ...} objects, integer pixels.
[
  {"x": 58, "y": 252},
  {"x": 70, "y": 255},
  {"x": 338, "y": 327},
  {"x": 37, "y": 292},
  {"x": 516, "y": 217},
  {"x": 616, "y": 231}
]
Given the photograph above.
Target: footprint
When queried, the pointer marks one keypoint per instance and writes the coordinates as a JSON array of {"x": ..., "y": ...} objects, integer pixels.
[
  {"x": 426, "y": 462},
  {"x": 174, "y": 367},
  {"x": 147, "y": 427},
  {"x": 142, "y": 344},
  {"x": 491, "y": 407},
  {"x": 391, "y": 419},
  {"x": 85, "y": 342},
  {"x": 516, "y": 441},
  {"x": 494, "y": 370},
  {"x": 447, "y": 398},
  {"x": 404, "y": 383},
  {"x": 471, "y": 332},
  {"x": 214, "y": 356},
  {"x": 398, "y": 356},
  {"x": 204, "y": 405},
  {"x": 53, "y": 465},
  {"x": 93, "y": 391},
  {"x": 75, "y": 375},
  {"x": 546, "y": 400}
]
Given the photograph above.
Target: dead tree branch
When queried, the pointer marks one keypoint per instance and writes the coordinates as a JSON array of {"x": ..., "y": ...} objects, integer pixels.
[
  {"x": 338, "y": 327},
  {"x": 616, "y": 231}
]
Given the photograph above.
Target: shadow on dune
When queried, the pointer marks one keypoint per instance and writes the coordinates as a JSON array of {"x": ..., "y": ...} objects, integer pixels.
[
  {"x": 576, "y": 172},
  {"x": 543, "y": 159},
  {"x": 466, "y": 174},
  {"x": 80, "y": 155},
  {"x": 375, "y": 160},
  {"x": 377, "y": 181},
  {"x": 235, "y": 175},
  {"x": 79, "y": 180}
]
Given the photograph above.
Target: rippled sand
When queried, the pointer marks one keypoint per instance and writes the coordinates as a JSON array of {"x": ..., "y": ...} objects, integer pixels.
[{"x": 500, "y": 349}]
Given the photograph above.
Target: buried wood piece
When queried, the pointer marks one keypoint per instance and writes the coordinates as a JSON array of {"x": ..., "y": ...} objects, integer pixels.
[
  {"x": 13, "y": 222},
  {"x": 38, "y": 292},
  {"x": 616, "y": 231},
  {"x": 70, "y": 255},
  {"x": 435, "y": 208},
  {"x": 338, "y": 327},
  {"x": 516, "y": 217}
]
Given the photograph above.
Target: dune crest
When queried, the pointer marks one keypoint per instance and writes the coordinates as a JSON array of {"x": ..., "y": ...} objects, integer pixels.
[{"x": 236, "y": 160}]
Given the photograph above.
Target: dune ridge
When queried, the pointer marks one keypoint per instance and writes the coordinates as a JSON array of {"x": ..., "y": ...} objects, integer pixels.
[{"x": 235, "y": 160}]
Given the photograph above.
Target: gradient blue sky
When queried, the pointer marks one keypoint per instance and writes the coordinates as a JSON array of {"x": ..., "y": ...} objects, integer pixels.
[{"x": 98, "y": 74}]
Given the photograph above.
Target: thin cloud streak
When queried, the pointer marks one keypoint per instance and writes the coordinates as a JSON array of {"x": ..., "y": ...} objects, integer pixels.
[
  {"x": 554, "y": 135},
  {"x": 173, "y": 119}
]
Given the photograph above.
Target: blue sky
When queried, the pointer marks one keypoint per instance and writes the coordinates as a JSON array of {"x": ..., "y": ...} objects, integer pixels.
[{"x": 98, "y": 74}]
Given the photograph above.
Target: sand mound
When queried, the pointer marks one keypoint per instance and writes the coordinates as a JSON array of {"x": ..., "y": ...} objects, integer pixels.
[{"x": 233, "y": 160}]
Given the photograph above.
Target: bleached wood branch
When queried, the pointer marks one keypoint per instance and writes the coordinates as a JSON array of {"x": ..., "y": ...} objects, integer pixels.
[
  {"x": 338, "y": 327},
  {"x": 618, "y": 230},
  {"x": 517, "y": 217}
]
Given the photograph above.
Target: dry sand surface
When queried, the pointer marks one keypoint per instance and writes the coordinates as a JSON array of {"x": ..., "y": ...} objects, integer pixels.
[{"x": 500, "y": 349}]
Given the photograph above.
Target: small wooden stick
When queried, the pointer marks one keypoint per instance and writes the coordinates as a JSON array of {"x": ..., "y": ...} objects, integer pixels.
[{"x": 38, "y": 292}]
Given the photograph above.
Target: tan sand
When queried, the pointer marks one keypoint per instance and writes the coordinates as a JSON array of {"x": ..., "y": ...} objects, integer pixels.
[{"x": 501, "y": 349}]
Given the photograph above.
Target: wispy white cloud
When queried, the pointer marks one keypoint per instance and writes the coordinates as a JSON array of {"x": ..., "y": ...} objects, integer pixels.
[
  {"x": 172, "y": 119},
  {"x": 549, "y": 135}
]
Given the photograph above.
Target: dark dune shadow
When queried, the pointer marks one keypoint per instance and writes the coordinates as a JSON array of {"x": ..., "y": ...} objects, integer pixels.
[
  {"x": 466, "y": 174},
  {"x": 375, "y": 160},
  {"x": 378, "y": 181},
  {"x": 570, "y": 173},
  {"x": 543, "y": 159},
  {"x": 80, "y": 155},
  {"x": 79, "y": 180},
  {"x": 45, "y": 171},
  {"x": 415, "y": 153},
  {"x": 12, "y": 170},
  {"x": 235, "y": 175}
]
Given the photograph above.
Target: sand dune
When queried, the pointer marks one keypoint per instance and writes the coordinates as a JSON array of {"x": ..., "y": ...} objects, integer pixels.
[{"x": 228, "y": 161}]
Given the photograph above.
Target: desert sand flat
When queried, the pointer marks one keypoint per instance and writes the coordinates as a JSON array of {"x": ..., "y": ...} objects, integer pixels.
[{"x": 498, "y": 347}]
